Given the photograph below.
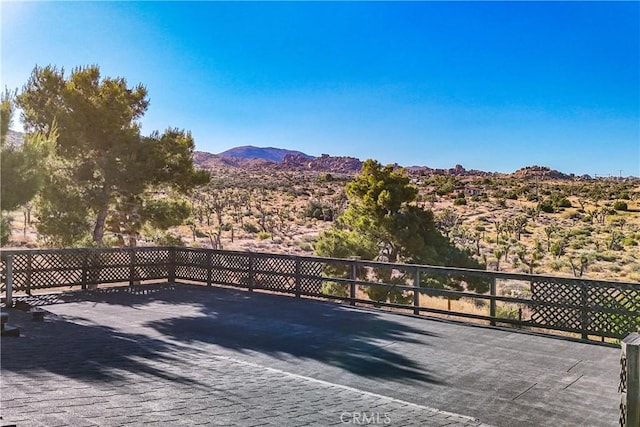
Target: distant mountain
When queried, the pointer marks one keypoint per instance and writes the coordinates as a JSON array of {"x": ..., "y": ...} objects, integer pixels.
[{"x": 268, "y": 153}]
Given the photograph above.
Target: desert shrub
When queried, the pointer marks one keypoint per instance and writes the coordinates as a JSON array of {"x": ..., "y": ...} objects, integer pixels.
[
  {"x": 499, "y": 194},
  {"x": 628, "y": 241},
  {"x": 573, "y": 215},
  {"x": 250, "y": 227},
  {"x": 546, "y": 206},
  {"x": 620, "y": 206},
  {"x": 556, "y": 265},
  {"x": 512, "y": 195},
  {"x": 320, "y": 211},
  {"x": 507, "y": 311},
  {"x": 264, "y": 235},
  {"x": 325, "y": 177},
  {"x": 605, "y": 257},
  {"x": 459, "y": 202},
  {"x": 579, "y": 243}
]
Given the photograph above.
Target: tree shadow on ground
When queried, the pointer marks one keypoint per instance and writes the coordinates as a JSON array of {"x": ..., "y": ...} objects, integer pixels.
[
  {"x": 77, "y": 348},
  {"x": 360, "y": 342}
]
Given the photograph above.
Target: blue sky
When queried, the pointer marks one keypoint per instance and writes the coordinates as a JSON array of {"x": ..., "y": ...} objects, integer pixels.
[{"x": 491, "y": 86}]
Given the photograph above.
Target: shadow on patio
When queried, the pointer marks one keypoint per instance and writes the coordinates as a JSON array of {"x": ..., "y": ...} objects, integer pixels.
[{"x": 85, "y": 344}]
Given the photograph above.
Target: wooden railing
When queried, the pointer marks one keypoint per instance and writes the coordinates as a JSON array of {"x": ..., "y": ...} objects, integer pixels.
[{"x": 591, "y": 309}]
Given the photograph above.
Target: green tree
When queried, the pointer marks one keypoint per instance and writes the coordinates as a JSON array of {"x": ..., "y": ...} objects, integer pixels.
[
  {"x": 23, "y": 163},
  {"x": 381, "y": 223},
  {"x": 105, "y": 165}
]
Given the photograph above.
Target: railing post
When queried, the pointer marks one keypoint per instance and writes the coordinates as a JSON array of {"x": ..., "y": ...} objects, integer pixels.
[
  {"x": 630, "y": 381},
  {"x": 29, "y": 267},
  {"x": 584, "y": 310},
  {"x": 353, "y": 276},
  {"x": 416, "y": 293},
  {"x": 492, "y": 301},
  {"x": 171, "y": 266},
  {"x": 250, "y": 272},
  {"x": 209, "y": 266},
  {"x": 298, "y": 278},
  {"x": 85, "y": 263},
  {"x": 132, "y": 267},
  {"x": 9, "y": 279}
]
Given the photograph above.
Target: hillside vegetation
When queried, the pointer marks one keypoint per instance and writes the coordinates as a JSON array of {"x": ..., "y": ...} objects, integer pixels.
[{"x": 519, "y": 223}]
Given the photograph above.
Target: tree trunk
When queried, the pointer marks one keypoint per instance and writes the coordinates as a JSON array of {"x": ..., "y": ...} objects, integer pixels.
[{"x": 98, "y": 230}]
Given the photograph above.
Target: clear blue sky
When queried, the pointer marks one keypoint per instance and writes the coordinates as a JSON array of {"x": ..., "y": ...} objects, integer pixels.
[{"x": 491, "y": 86}]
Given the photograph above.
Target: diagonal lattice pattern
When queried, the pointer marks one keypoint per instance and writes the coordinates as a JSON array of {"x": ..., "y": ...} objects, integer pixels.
[
  {"x": 615, "y": 311},
  {"x": 231, "y": 269},
  {"x": 276, "y": 274},
  {"x": 568, "y": 295},
  {"x": 593, "y": 307},
  {"x": 191, "y": 265},
  {"x": 311, "y": 285}
]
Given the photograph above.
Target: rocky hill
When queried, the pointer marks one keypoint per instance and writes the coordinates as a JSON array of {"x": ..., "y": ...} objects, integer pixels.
[
  {"x": 541, "y": 172},
  {"x": 324, "y": 163},
  {"x": 266, "y": 153}
]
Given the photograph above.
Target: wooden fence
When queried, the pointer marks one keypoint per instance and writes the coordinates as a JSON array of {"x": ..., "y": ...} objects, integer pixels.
[{"x": 591, "y": 309}]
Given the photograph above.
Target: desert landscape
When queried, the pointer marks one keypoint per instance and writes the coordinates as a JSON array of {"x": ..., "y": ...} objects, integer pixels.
[{"x": 534, "y": 220}]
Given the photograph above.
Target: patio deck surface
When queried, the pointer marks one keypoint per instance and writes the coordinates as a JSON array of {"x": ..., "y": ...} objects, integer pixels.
[{"x": 195, "y": 355}]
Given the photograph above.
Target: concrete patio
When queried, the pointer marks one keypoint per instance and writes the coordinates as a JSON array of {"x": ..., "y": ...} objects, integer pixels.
[{"x": 195, "y": 355}]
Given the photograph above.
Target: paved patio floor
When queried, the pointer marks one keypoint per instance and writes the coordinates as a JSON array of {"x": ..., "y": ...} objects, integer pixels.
[{"x": 191, "y": 355}]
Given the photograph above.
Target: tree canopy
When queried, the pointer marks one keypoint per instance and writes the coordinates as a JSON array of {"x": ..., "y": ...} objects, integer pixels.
[
  {"x": 104, "y": 167},
  {"x": 22, "y": 163},
  {"x": 382, "y": 223}
]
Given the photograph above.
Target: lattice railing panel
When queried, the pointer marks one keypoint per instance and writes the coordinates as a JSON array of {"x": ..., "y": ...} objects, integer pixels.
[
  {"x": 191, "y": 265},
  {"x": 598, "y": 309},
  {"x": 20, "y": 272},
  {"x": 108, "y": 267},
  {"x": 231, "y": 261},
  {"x": 151, "y": 264},
  {"x": 230, "y": 269},
  {"x": 3, "y": 275},
  {"x": 275, "y": 273},
  {"x": 311, "y": 285},
  {"x": 614, "y": 311},
  {"x": 569, "y": 295}
]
